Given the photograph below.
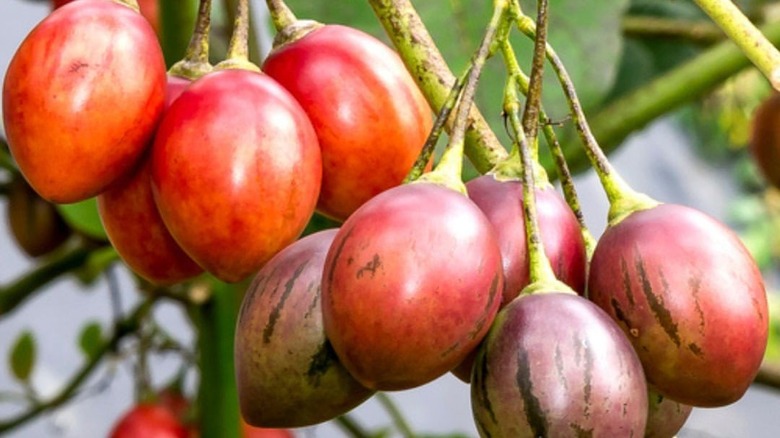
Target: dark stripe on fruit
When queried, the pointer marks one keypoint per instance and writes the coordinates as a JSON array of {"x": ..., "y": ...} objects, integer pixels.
[
  {"x": 315, "y": 297},
  {"x": 531, "y": 405},
  {"x": 694, "y": 283},
  {"x": 627, "y": 281},
  {"x": 695, "y": 349},
  {"x": 480, "y": 380},
  {"x": 486, "y": 311},
  {"x": 559, "y": 367},
  {"x": 581, "y": 432},
  {"x": 588, "y": 378},
  {"x": 660, "y": 312},
  {"x": 337, "y": 255},
  {"x": 371, "y": 267},
  {"x": 320, "y": 363},
  {"x": 274, "y": 316},
  {"x": 619, "y": 315}
]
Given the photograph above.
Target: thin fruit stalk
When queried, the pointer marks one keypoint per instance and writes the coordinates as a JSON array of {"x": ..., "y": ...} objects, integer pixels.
[{"x": 680, "y": 284}]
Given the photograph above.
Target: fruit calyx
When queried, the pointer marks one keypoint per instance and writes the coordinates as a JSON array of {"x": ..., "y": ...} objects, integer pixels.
[
  {"x": 295, "y": 31},
  {"x": 132, "y": 4},
  {"x": 196, "y": 60}
]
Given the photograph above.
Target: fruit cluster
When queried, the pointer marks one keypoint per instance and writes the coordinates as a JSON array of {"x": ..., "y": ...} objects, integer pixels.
[{"x": 221, "y": 172}]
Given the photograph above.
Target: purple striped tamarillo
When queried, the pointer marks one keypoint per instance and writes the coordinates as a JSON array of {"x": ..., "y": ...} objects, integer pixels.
[
  {"x": 554, "y": 364},
  {"x": 690, "y": 298},
  {"x": 286, "y": 370}
]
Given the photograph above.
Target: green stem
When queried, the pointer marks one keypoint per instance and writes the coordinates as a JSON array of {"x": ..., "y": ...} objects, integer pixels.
[
  {"x": 564, "y": 174},
  {"x": 686, "y": 83},
  {"x": 534, "y": 95},
  {"x": 26, "y": 286},
  {"x": 753, "y": 43},
  {"x": 399, "y": 421},
  {"x": 622, "y": 198},
  {"x": 281, "y": 15},
  {"x": 405, "y": 28},
  {"x": 539, "y": 267},
  {"x": 122, "y": 328},
  {"x": 352, "y": 427},
  {"x": 177, "y": 20},
  {"x": 433, "y": 138},
  {"x": 238, "y": 48},
  {"x": 448, "y": 170},
  {"x": 218, "y": 396},
  {"x": 701, "y": 32},
  {"x": 196, "y": 59}
]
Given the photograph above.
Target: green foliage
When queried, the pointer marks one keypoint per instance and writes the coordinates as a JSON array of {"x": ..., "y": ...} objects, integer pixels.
[
  {"x": 90, "y": 338},
  {"x": 22, "y": 356}
]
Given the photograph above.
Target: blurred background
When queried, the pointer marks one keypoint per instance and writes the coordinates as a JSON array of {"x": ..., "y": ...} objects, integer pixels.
[{"x": 695, "y": 156}]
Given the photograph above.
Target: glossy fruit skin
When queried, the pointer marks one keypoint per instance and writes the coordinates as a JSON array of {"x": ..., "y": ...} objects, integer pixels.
[
  {"x": 502, "y": 203},
  {"x": 556, "y": 365},
  {"x": 35, "y": 224},
  {"x": 148, "y": 8},
  {"x": 79, "y": 107},
  {"x": 689, "y": 297},
  {"x": 262, "y": 432},
  {"x": 149, "y": 421},
  {"x": 765, "y": 139},
  {"x": 665, "y": 417},
  {"x": 370, "y": 117},
  {"x": 236, "y": 171},
  {"x": 134, "y": 225},
  {"x": 411, "y": 284},
  {"x": 286, "y": 371}
]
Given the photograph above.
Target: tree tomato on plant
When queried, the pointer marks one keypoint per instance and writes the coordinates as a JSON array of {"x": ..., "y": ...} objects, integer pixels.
[
  {"x": 134, "y": 226},
  {"x": 149, "y": 421},
  {"x": 81, "y": 98},
  {"x": 149, "y": 9},
  {"x": 236, "y": 171},
  {"x": 370, "y": 117}
]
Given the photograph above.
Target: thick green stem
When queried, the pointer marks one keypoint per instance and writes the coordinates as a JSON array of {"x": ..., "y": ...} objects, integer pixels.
[
  {"x": 423, "y": 59},
  {"x": 196, "y": 59},
  {"x": 753, "y": 43},
  {"x": 686, "y": 83},
  {"x": 238, "y": 48},
  {"x": 177, "y": 21},
  {"x": 622, "y": 198},
  {"x": 448, "y": 170},
  {"x": 700, "y": 32},
  {"x": 217, "y": 395},
  {"x": 25, "y": 287},
  {"x": 122, "y": 328},
  {"x": 281, "y": 15}
]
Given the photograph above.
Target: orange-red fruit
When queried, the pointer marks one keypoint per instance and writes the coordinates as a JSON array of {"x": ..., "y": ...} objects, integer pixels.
[
  {"x": 236, "y": 170},
  {"x": 81, "y": 98},
  {"x": 765, "y": 139},
  {"x": 149, "y": 9},
  {"x": 149, "y": 421},
  {"x": 370, "y": 117},
  {"x": 134, "y": 226}
]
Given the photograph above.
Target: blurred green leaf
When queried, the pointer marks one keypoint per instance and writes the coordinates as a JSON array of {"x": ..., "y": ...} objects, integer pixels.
[
  {"x": 83, "y": 217},
  {"x": 586, "y": 35},
  {"x": 22, "y": 356},
  {"x": 90, "y": 339}
]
